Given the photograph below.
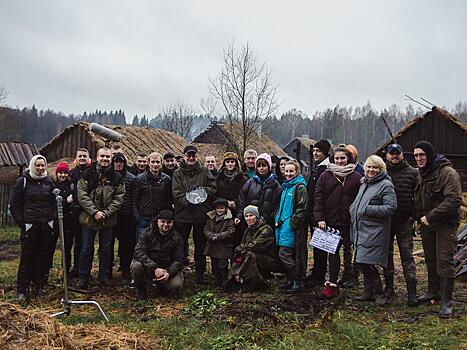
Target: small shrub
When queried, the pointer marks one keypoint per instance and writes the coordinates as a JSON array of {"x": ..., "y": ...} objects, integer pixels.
[{"x": 205, "y": 303}]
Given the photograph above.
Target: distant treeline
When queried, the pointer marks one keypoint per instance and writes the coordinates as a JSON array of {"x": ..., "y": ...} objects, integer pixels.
[{"x": 360, "y": 126}]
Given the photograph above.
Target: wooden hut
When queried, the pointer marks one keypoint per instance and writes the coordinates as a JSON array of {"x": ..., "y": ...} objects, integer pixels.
[
  {"x": 301, "y": 148},
  {"x": 134, "y": 140},
  {"x": 14, "y": 157},
  {"x": 228, "y": 137},
  {"x": 447, "y": 134}
]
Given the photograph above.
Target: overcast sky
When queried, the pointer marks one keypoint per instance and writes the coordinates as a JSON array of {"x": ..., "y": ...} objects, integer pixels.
[{"x": 76, "y": 56}]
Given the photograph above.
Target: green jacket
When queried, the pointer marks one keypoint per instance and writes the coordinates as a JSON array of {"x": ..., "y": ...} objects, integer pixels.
[
  {"x": 438, "y": 196},
  {"x": 100, "y": 192},
  {"x": 184, "y": 180}
]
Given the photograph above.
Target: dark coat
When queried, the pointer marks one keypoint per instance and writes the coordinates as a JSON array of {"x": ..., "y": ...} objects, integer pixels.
[
  {"x": 333, "y": 199},
  {"x": 266, "y": 195},
  {"x": 100, "y": 192},
  {"x": 136, "y": 171},
  {"x": 156, "y": 251},
  {"x": 75, "y": 175},
  {"x": 167, "y": 171},
  {"x": 313, "y": 180},
  {"x": 229, "y": 187},
  {"x": 67, "y": 188},
  {"x": 222, "y": 247},
  {"x": 186, "y": 179},
  {"x": 128, "y": 181},
  {"x": 33, "y": 201},
  {"x": 404, "y": 178},
  {"x": 151, "y": 195},
  {"x": 371, "y": 220},
  {"x": 438, "y": 195}
]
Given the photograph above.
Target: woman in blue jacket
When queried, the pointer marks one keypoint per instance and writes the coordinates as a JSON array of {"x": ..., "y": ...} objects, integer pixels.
[{"x": 291, "y": 227}]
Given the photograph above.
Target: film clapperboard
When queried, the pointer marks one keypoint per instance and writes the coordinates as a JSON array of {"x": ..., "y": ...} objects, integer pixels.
[{"x": 327, "y": 240}]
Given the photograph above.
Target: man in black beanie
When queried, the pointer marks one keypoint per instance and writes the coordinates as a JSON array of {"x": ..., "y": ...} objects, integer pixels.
[
  {"x": 321, "y": 161},
  {"x": 437, "y": 203}
]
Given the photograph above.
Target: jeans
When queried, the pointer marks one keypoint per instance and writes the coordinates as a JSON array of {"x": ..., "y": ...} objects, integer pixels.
[
  {"x": 199, "y": 240},
  {"x": 87, "y": 252},
  {"x": 141, "y": 225}
]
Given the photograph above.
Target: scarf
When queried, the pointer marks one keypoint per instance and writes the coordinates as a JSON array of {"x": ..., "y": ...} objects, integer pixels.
[
  {"x": 32, "y": 168},
  {"x": 341, "y": 170}
]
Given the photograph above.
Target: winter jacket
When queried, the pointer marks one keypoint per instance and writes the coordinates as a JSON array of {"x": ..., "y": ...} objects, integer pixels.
[
  {"x": 224, "y": 229},
  {"x": 370, "y": 215},
  {"x": 154, "y": 250},
  {"x": 151, "y": 194},
  {"x": 438, "y": 195},
  {"x": 75, "y": 175},
  {"x": 333, "y": 198},
  {"x": 296, "y": 227},
  {"x": 265, "y": 194},
  {"x": 186, "y": 179},
  {"x": 100, "y": 192},
  {"x": 258, "y": 239},
  {"x": 67, "y": 188},
  {"x": 128, "y": 181},
  {"x": 136, "y": 171},
  {"x": 167, "y": 171},
  {"x": 313, "y": 180},
  {"x": 229, "y": 187},
  {"x": 33, "y": 201},
  {"x": 404, "y": 178}
]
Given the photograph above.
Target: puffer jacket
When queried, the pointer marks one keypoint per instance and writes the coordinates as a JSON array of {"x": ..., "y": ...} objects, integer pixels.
[
  {"x": 186, "y": 179},
  {"x": 438, "y": 195},
  {"x": 151, "y": 194},
  {"x": 404, "y": 178},
  {"x": 222, "y": 247},
  {"x": 370, "y": 215},
  {"x": 100, "y": 192},
  {"x": 33, "y": 201},
  {"x": 313, "y": 180},
  {"x": 333, "y": 199},
  {"x": 265, "y": 194},
  {"x": 229, "y": 187},
  {"x": 154, "y": 250}
]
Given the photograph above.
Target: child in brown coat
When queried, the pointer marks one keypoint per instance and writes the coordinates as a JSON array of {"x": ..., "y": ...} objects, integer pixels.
[{"x": 219, "y": 232}]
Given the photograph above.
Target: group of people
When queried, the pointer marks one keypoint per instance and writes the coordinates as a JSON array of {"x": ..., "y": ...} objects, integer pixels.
[{"x": 252, "y": 220}]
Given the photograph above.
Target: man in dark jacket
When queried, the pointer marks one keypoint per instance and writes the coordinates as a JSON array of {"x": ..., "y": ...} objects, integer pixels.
[
  {"x": 159, "y": 256},
  {"x": 404, "y": 178},
  {"x": 82, "y": 162},
  {"x": 126, "y": 224},
  {"x": 169, "y": 164},
  {"x": 192, "y": 183},
  {"x": 140, "y": 165},
  {"x": 100, "y": 194},
  {"x": 437, "y": 203},
  {"x": 321, "y": 160}
]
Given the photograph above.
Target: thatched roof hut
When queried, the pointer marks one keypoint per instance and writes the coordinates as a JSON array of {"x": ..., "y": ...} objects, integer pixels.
[{"x": 447, "y": 134}]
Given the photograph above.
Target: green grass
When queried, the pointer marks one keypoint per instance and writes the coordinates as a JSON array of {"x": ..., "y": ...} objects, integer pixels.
[{"x": 202, "y": 318}]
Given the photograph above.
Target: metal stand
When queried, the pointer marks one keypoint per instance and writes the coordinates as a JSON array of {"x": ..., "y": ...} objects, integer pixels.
[{"x": 65, "y": 300}]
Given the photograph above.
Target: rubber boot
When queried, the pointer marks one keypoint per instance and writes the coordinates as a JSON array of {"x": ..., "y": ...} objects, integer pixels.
[
  {"x": 142, "y": 291},
  {"x": 433, "y": 287},
  {"x": 380, "y": 298},
  {"x": 412, "y": 293},
  {"x": 389, "y": 286},
  {"x": 290, "y": 276},
  {"x": 368, "y": 290},
  {"x": 447, "y": 286}
]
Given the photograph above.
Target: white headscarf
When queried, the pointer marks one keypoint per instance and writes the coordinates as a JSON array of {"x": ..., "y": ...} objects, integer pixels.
[{"x": 32, "y": 167}]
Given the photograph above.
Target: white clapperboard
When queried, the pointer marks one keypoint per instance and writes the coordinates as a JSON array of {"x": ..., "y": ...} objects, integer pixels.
[{"x": 327, "y": 240}]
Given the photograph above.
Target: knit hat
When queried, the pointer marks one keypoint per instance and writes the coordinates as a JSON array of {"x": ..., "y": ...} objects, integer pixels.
[
  {"x": 323, "y": 146},
  {"x": 429, "y": 150},
  {"x": 63, "y": 166},
  {"x": 266, "y": 157},
  {"x": 251, "y": 209}
]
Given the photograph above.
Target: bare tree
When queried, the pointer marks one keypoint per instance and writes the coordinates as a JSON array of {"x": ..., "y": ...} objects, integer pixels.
[
  {"x": 178, "y": 117},
  {"x": 209, "y": 105},
  {"x": 3, "y": 95},
  {"x": 245, "y": 90}
]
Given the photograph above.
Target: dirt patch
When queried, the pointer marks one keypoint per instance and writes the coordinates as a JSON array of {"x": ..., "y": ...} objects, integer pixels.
[
  {"x": 32, "y": 329},
  {"x": 9, "y": 249}
]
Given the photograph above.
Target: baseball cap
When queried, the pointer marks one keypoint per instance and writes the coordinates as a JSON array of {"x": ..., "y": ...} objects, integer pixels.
[{"x": 394, "y": 147}]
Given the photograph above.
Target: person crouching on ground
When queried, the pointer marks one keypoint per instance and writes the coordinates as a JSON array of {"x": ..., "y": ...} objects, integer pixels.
[
  {"x": 370, "y": 215},
  {"x": 255, "y": 257},
  {"x": 291, "y": 227},
  {"x": 159, "y": 256},
  {"x": 219, "y": 232}
]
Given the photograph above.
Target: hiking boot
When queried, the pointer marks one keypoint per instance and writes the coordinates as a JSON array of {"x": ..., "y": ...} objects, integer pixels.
[
  {"x": 368, "y": 291},
  {"x": 447, "y": 285},
  {"x": 412, "y": 293},
  {"x": 296, "y": 287},
  {"x": 330, "y": 290}
]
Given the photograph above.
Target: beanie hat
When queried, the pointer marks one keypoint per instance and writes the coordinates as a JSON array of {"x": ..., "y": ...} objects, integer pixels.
[
  {"x": 63, "y": 166},
  {"x": 251, "y": 209},
  {"x": 266, "y": 157},
  {"x": 429, "y": 150},
  {"x": 323, "y": 146}
]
